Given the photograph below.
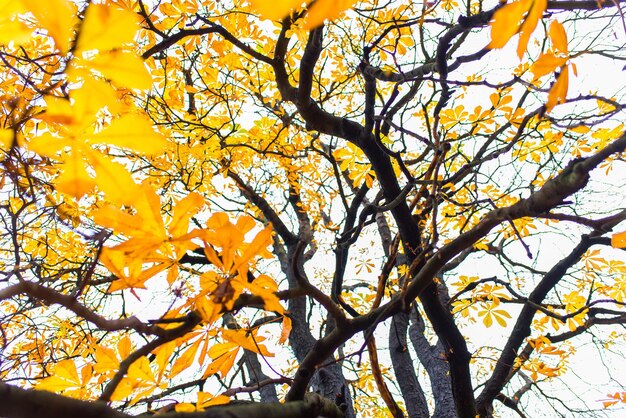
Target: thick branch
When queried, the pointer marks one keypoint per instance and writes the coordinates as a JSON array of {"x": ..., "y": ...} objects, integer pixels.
[
  {"x": 52, "y": 297},
  {"x": 16, "y": 402}
]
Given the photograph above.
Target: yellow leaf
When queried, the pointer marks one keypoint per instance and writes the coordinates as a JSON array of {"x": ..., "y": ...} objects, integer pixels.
[
  {"x": 122, "y": 391},
  {"x": 124, "y": 69},
  {"x": 619, "y": 240},
  {"x": 113, "y": 179},
  {"x": 163, "y": 355},
  {"x": 11, "y": 28},
  {"x": 140, "y": 370},
  {"x": 48, "y": 145},
  {"x": 558, "y": 92},
  {"x": 500, "y": 315},
  {"x": 325, "y": 9},
  {"x": 275, "y": 9},
  {"x": 64, "y": 376},
  {"x": 488, "y": 320},
  {"x": 185, "y": 407},
  {"x": 58, "y": 17},
  {"x": 124, "y": 346},
  {"x": 106, "y": 360},
  {"x": 9, "y": 8},
  {"x": 128, "y": 271},
  {"x": 116, "y": 219},
  {"x": 148, "y": 205},
  {"x": 106, "y": 28},
  {"x": 206, "y": 399},
  {"x": 581, "y": 129},
  {"x": 74, "y": 179},
  {"x": 133, "y": 132},
  {"x": 6, "y": 139},
  {"x": 558, "y": 37}
]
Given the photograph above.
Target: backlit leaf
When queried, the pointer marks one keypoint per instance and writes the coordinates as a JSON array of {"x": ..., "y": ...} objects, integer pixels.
[
  {"x": 326, "y": 10},
  {"x": 506, "y": 22},
  {"x": 58, "y": 17},
  {"x": 106, "y": 28},
  {"x": 558, "y": 37},
  {"x": 74, "y": 179},
  {"x": 275, "y": 9},
  {"x": 247, "y": 340},
  {"x": 123, "y": 68},
  {"x": 530, "y": 23},
  {"x": 132, "y": 132},
  {"x": 286, "y": 330},
  {"x": 113, "y": 179},
  {"x": 547, "y": 63},
  {"x": 224, "y": 356},
  {"x": 558, "y": 92},
  {"x": 619, "y": 240}
]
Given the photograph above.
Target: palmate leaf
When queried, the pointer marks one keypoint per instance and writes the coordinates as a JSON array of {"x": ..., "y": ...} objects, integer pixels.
[
  {"x": 247, "y": 340},
  {"x": 224, "y": 356},
  {"x": 67, "y": 380},
  {"x": 77, "y": 135},
  {"x": 149, "y": 240}
]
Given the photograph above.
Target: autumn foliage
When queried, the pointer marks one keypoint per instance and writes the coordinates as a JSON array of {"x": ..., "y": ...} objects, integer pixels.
[{"x": 301, "y": 209}]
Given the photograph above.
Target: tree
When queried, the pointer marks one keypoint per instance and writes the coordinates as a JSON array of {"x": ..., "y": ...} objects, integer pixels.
[{"x": 355, "y": 208}]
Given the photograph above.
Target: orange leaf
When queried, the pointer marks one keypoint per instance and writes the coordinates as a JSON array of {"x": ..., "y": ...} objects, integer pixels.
[
  {"x": 546, "y": 64},
  {"x": 286, "y": 330},
  {"x": 258, "y": 244},
  {"x": 225, "y": 356},
  {"x": 183, "y": 211},
  {"x": 106, "y": 360},
  {"x": 506, "y": 22},
  {"x": 558, "y": 92},
  {"x": 619, "y": 240},
  {"x": 185, "y": 360},
  {"x": 529, "y": 25},
  {"x": 247, "y": 340},
  {"x": 558, "y": 37}
]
